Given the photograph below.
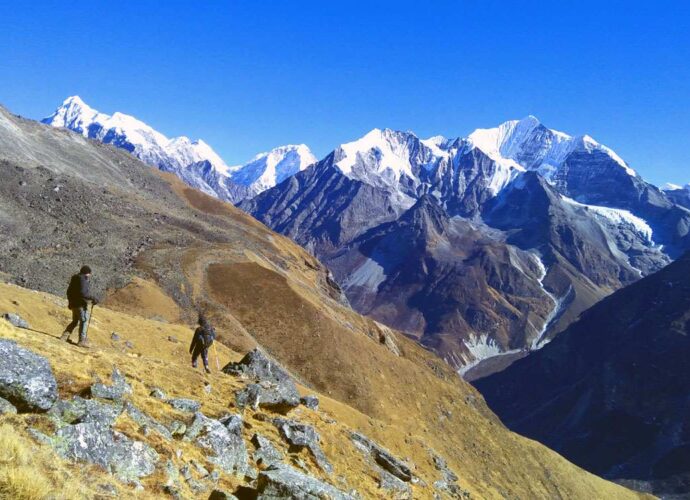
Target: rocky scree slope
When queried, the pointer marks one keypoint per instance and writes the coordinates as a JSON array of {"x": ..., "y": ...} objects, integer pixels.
[
  {"x": 160, "y": 248},
  {"x": 611, "y": 392},
  {"x": 131, "y": 417},
  {"x": 585, "y": 221}
]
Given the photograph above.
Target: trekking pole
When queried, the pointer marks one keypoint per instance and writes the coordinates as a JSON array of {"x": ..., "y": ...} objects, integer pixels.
[{"x": 215, "y": 351}]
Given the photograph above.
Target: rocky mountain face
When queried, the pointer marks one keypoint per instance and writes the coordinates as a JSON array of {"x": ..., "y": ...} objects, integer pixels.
[
  {"x": 611, "y": 392},
  {"x": 194, "y": 162},
  {"x": 161, "y": 250},
  {"x": 566, "y": 219},
  {"x": 678, "y": 194}
]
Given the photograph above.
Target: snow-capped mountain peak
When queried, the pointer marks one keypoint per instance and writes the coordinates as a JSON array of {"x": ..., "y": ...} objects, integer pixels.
[
  {"x": 527, "y": 144},
  {"x": 267, "y": 169},
  {"x": 132, "y": 134}
]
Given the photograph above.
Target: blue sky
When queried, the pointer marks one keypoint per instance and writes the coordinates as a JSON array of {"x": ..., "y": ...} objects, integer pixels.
[{"x": 248, "y": 76}]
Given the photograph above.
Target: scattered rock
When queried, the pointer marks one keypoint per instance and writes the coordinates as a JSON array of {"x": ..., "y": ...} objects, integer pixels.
[
  {"x": 26, "y": 379},
  {"x": 145, "y": 421},
  {"x": 79, "y": 410},
  {"x": 129, "y": 345},
  {"x": 389, "y": 482},
  {"x": 114, "y": 337},
  {"x": 223, "y": 439},
  {"x": 311, "y": 402},
  {"x": 16, "y": 320},
  {"x": 98, "y": 444},
  {"x": 177, "y": 428},
  {"x": 258, "y": 366},
  {"x": 299, "y": 436},
  {"x": 282, "y": 481},
  {"x": 172, "y": 339},
  {"x": 6, "y": 407},
  {"x": 280, "y": 398},
  {"x": 266, "y": 454},
  {"x": 382, "y": 457},
  {"x": 108, "y": 489},
  {"x": 157, "y": 393},
  {"x": 182, "y": 404},
  {"x": 114, "y": 392}
]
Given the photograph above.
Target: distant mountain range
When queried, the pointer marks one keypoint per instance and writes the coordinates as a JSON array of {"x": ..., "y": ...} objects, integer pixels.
[
  {"x": 482, "y": 248},
  {"x": 612, "y": 392},
  {"x": 194, "y": 162}
]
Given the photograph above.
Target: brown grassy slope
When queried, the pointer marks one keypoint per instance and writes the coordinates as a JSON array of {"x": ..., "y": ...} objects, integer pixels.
[{"x": 491, "y": 462}]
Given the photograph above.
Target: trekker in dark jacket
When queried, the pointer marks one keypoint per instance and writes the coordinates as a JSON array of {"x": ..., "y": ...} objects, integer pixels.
[
  {"x": 204, "y": 336},
  {"x": 78, "y": 293}
]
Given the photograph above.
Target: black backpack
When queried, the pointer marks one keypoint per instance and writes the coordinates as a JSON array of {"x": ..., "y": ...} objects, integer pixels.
[
  {"x": 208, "y": 335},
  {"x": 73, "y": 288}
]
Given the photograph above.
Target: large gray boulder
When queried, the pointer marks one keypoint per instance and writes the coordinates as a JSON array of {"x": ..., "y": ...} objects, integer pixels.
[
  {"x": 278, "y": 397},
  {"x": 26, "y": 379},
  {"x": 257, "y": 365},
  {"x": 114, "y": 392},
  {"x": 16, "y": 320},
  {"x": 184, "y": 404},
  {"x": 223, "y": 438},
  {"x": 300, "y": 436},
  {"x": 281, "y": 482},
  {"x": 79, "y": 410},
  {"x": 382, "y": 457},
  {"x": 98, "y": 444},
  {"x": 274, "y": 388}
]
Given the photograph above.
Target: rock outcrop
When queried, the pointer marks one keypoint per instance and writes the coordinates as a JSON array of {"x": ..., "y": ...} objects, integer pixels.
[
  {"x": 281, "y": 482},
  {"x": 223, "y": 438},
  {"x": 16, "y": 320},
  {"x": 299, "y": 436},
  {"x": 114, "y": 392},
  {"x": 26, "y": 379},
  {"x": 274, "y": 388}
]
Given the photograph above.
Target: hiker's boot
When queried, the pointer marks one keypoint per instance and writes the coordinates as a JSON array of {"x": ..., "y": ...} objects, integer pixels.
[
  {"x": 65, "y": 336},
  {"x": 83, "y": 343},
  {"x": 207, "y": 370}
]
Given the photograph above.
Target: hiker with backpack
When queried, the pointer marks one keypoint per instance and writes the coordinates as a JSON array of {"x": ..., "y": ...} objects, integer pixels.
[
  {"x": 203, "y": 338},
  {"x": 78, "y": 293}
]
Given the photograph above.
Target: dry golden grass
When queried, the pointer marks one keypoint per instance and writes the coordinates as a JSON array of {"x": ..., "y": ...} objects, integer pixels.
[{"x": 411, "y": 407}]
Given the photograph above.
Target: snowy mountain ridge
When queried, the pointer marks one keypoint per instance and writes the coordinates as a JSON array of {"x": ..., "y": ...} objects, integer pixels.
[{"x": 195, "y": 162}]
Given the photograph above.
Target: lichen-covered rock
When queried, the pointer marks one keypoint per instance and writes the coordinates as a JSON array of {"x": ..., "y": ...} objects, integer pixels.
[
  {"x": 26, "y": 379},
  {"x": 274, "y": 389},
  {"x": 311, "y": 402},
  {"x": 16, "y": 320},
  {"x": 300, "y": 435},
  {"x": 79, "y": 410},
  {"x": 266, "y": 454},
  {"x": 382, "y": 457},
  {"x": 6, "y": 407},
  {"x": 257, "y": 365},
  {"x": 280, "y": 482},
  {"x": 183, "y": 404},
  {"x": 157, "y": 393},
  {"x": 278, "y": 397},
  {"x": 145, "y": 421},
  {"x": 177, "y": 428},
  {"x": 114, "y": 392},
  {"x": 98, "y": 444},
  {"x": 223, "y": 439}
]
